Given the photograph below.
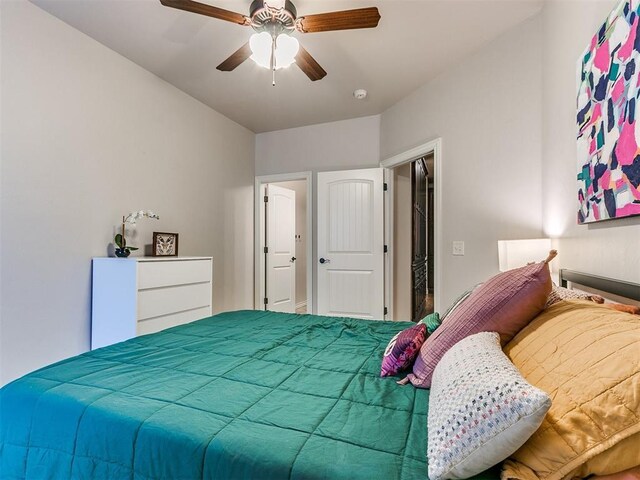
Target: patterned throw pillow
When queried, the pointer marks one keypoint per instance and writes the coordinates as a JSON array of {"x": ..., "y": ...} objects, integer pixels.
[
  {"x": 560, "y": 293},
  {"x": 505, "y": 304},
  {"x": 481, "y": 409},
  {"x": 432, "y": 321},
  {"x": 402, "y": 349}
]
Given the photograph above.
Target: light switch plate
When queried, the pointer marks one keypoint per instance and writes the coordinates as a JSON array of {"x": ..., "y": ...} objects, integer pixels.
[{"x": 458, "y": 247}]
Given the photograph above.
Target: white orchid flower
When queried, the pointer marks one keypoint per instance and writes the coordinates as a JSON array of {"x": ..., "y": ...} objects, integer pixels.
[{"x": 134, "y": 216}]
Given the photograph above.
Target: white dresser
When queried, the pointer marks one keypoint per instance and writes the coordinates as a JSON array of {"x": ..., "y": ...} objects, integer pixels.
[{"x": 136, "y": 296}]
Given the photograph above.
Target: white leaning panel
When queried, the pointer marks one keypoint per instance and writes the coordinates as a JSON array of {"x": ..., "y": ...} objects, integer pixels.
[{"x": 113, "y": 306}]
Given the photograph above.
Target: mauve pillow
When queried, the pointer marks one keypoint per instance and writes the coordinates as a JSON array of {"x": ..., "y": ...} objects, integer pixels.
[
  {"x": 505, "y": 304},
  {"x": 458, "y": 301},
  {"x": 402, "y": 349}
]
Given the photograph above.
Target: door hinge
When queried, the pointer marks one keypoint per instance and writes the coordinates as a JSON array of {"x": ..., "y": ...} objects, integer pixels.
[
  {"x": 266, "y": 199},
  {"x": 385, "y": 187},
  {"x": 266, "y": 300},
  {"x": 386, "y": 311},
  {"x": 386, "y": 249},
  {"x": 266, "y": 249}
]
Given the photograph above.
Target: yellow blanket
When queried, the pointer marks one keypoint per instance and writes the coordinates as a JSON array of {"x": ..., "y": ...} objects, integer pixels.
[{"x": 587, "y": 358}]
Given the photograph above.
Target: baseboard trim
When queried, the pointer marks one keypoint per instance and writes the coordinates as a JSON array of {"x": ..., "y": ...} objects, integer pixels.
[{"x": 301, "y": 305}]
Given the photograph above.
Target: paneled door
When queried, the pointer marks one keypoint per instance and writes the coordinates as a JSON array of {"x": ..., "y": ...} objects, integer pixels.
[
  {"x": 350, "y": 268},
  {"x": 280, "y": 249}
]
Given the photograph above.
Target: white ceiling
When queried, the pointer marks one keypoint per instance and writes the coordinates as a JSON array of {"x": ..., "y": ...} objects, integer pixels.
[{"x": 415, "y": 41}]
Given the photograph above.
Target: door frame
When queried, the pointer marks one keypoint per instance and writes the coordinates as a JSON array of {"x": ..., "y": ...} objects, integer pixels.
[
  {"x": 435, "y": 147},
  {"x": 259, "y": 264}
]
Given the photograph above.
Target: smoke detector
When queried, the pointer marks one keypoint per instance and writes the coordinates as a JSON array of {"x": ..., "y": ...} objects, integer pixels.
[{"x": 360, "y": 94}]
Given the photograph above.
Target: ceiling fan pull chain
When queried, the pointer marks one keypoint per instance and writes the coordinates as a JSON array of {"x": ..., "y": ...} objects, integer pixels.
[{"x": 273, "y": 57}]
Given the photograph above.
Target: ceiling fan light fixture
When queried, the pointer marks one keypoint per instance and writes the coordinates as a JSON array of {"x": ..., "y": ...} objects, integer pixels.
[
  {"x": 261, "y": 44},
  {"x": 286, "y": 49},
  {"x": 279, "y": 18}
]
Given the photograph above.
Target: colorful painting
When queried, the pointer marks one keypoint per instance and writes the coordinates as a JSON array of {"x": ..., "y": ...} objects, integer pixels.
[{"x": 608, "y": 133}]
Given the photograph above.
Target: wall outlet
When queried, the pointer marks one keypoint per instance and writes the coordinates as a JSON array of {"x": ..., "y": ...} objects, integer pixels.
[{"x": 458, "y": 248}]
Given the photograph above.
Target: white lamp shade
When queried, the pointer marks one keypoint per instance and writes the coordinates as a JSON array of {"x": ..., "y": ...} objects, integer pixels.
[
  {"x": 260, "y": 44},
  {"x": 286, "y": 50},
  {"x": 517, "y": 253}
]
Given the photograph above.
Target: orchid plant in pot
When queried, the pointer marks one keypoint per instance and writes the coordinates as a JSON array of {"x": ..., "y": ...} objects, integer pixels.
[{"x": 123, "y": 249}]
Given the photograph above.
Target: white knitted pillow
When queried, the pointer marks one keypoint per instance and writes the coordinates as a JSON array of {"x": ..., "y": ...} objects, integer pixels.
[{"x": 481, "y": 409}]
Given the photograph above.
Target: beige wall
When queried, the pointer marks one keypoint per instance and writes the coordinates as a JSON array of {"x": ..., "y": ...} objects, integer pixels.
[
  {"x": 487, "y": 110},
  {"x": 609, "y": 248},
  {"x": 300, "y": 187},
  {"x": 86, "y": 137},
  {"x": 402, "y": 244}
]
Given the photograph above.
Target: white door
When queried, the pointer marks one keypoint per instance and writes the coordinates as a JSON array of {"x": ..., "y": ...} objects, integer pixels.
[
  {"x": 351, "y": 243},
  {"x": 281, "y": 249}
]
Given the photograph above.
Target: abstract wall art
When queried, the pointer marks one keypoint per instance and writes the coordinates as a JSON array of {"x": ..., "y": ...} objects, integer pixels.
[{"x": 608, "y": 128}]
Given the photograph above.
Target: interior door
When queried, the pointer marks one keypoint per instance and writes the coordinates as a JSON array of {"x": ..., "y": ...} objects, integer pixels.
[
  {"x": 351, "y": 243},
  {"x": 280, "y": 249}
]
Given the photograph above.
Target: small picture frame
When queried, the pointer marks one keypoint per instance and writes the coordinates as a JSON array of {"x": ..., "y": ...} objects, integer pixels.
[{"x": 165, "y": 244}]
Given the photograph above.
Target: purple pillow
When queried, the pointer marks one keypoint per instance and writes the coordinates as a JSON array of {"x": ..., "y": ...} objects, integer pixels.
[
  {"x": 402, "y": 349},
  {"x": 505, "y": 304}
]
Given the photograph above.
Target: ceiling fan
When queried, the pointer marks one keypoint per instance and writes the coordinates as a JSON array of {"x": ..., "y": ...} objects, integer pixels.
[{"x": 272, "y": 46}]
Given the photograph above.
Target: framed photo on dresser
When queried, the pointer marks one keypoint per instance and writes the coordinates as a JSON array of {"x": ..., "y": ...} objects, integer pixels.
[{"x": 165, "y": 244}]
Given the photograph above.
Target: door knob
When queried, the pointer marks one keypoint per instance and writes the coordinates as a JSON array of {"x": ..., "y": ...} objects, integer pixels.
[
  {"x": 324, "y": 260},
  {"x": 293, "y": 259}
]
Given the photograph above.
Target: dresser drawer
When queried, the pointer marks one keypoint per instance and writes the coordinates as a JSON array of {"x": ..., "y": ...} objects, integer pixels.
[
  {"x": 166, "y": 273},
  {"x": 164, "y": 301},
  {"x": 152, "y": 325}
]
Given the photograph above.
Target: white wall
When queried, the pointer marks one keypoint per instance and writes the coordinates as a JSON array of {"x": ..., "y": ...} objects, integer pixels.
[
  {"x": 609, "y": 248},
  {"x": 339, "y": 145},
  {"x": 402, "y": 243},
  {"x": 300, "y": 187},
  {"x": 488, "y": 112},
  {"x": 88, "y": 136}
]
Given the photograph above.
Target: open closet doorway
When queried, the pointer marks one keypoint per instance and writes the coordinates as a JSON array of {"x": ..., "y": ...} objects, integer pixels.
[
  {"x": 283, "y": 233},
  {"x": 413, "y": 239},
  {"x": 412, "y": 228}
]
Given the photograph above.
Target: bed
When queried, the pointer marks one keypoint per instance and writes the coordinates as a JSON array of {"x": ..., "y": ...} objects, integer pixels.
[{"x": 246, "y": 394}]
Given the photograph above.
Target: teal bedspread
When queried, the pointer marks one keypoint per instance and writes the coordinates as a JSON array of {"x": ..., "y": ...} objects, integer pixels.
[{"x": 241, "y": 395}]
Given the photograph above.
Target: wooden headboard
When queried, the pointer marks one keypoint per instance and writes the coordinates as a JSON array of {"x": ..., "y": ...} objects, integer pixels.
[{"x": 616, "y": 287}]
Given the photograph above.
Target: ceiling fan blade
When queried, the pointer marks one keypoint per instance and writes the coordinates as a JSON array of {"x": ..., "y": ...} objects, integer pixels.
[
  {"x": 208, "y": 10},
  {"x": 309, "y": 66},
  {"x": 344, "y": 20},
  {"x": 236, "y": 58}
]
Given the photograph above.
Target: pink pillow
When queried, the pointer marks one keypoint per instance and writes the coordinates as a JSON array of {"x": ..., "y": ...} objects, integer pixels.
[
  {"x": 505, "y": 304},
  {"x": 402, "y": 349}
]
